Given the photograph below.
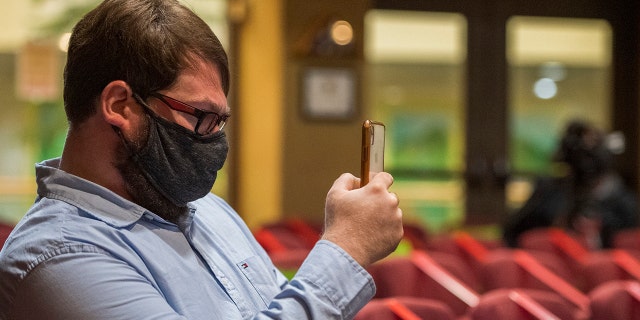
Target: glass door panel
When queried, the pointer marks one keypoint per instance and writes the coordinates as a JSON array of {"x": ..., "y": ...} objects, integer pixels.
[
  {"x": 559, "y": 71},
  {"x": 415, "y": 84}
]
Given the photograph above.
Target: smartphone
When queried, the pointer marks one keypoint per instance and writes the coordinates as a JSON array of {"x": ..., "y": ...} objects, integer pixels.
[{"x": 372, "y": 159}]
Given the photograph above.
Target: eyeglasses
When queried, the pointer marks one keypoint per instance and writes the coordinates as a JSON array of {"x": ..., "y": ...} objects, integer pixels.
[{"x": 208, "y": 121}]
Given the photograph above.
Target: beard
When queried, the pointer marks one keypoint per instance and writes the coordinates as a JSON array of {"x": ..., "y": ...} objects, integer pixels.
[{"x": 142, "y": 192}]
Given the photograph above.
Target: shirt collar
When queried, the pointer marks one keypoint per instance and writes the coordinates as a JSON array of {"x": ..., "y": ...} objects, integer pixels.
[{"x": 96, "y": 200}]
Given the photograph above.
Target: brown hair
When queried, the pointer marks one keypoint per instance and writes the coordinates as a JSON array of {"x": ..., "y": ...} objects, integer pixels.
[{"x": 145, "y": 43}]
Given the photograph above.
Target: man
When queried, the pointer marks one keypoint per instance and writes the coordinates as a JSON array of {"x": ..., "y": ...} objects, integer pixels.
[
  {"x": 124, "y": 226},
  {"x": 589, "y": 199}
]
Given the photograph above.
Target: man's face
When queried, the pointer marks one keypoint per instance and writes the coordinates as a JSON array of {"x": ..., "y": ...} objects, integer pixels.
[
  {"x": 199, "y": 87},
  {"x": 137, "y": 185}
]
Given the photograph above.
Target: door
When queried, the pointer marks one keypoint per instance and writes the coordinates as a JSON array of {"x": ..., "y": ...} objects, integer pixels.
[{"x": 490, "y": 124}]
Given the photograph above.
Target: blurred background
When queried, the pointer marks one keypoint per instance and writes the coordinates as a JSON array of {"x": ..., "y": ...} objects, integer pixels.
[{"x": 474, "y": 95}]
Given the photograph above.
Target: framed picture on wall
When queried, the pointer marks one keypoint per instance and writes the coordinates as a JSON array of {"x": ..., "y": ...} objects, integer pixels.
[{"x": 329, "y": 93}]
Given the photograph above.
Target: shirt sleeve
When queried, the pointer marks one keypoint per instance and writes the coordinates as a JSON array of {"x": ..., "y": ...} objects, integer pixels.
[
  {"x": 98, "y": 287},
  {"x": 328, "y": 285}
]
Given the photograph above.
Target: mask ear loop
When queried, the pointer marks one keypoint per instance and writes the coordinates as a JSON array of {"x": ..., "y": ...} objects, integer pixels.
[
  {"x": 127, "y": 145},
  {"x": 130, "y": 147}
]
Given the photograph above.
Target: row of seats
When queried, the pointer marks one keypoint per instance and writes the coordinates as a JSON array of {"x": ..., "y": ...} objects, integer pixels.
[
  {"x": 551, "y": 275},
  {"x": 613, "y": 301},
  {"x": 515, "y": 285}
]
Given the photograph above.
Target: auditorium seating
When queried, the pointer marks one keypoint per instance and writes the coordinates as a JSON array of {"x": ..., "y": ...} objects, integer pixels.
[
  {"x": 550, "y": 275},
  {"x": 610, "y": 265},
  {"x": 627, "y": 239},
  {"x": 434, "y": 276},
  {"x": 524, "y": 304},
  {"x": 405, "y": 308},
  {"x": 291, "y": 234},
  {"x": 616, "y": 300},
  {"x": 503, "y": 270}
]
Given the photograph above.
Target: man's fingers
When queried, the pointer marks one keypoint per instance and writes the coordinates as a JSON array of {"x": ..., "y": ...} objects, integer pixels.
[
  {"x": 346, "y": 181},
  {"x": 395, "y": 195},
  {"x": 382, "y": 177}
]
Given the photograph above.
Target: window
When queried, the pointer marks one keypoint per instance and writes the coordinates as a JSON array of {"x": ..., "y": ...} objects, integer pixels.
[
  {"x": 415, "y": 85},
  {"x": 560, "y": 70}
]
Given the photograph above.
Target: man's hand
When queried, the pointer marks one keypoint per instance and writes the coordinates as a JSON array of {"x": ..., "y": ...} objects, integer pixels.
[{"x": 366, "y": 222}]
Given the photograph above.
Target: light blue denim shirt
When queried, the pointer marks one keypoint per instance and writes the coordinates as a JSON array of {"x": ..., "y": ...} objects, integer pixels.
[{"x": 83, "y": 252}]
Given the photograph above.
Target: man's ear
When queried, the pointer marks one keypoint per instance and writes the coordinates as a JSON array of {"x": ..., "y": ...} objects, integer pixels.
[{"x": 116, "y": 104}]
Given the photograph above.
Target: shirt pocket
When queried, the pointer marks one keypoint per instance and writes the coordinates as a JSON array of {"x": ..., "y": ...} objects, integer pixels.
[{"x": 260, "y": 277}]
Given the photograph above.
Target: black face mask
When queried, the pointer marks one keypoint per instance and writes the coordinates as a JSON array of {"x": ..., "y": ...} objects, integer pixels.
[{"x": 181, "y": 165}]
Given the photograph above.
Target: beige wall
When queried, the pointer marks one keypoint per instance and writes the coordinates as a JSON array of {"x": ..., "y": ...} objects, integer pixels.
[
  {"x": 258, "y": 113},
  {"x": 13, "y": 16},
  {"x": 316, "y": 152},
  {"x": 286, "y": 162}
]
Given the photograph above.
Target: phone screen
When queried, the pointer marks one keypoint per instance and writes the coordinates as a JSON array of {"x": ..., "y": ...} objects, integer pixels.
[{"x": 372, "y": 149}]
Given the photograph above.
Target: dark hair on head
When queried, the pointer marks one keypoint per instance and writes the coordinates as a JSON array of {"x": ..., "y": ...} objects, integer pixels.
[
  {"x": 583, "y": 148},
  {"x": 145, "y": 43}
]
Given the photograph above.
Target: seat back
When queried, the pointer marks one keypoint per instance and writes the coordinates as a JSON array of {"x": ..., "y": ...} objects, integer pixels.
[
  {"x": 616, "y": 300},
  {"x": 627, "y": 239},
  {"x": 405, "y": 308},
  {"x": 571, "y": 248},
  {"x": 421, "y": 275},
  {"x": 520, "y": 269},
  {"x": 525, "y": 304},
  {"x": 610, "y": 265}
]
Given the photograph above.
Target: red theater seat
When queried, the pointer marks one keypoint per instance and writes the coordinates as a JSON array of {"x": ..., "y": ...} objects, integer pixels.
[
  {"x": 293, "y": 234},
  {"x": 405, "y": 308},
  {"x": 5, "y": 230},
  {"x": 521, "y": 269},
  {"x": 525, "y": 304},
  {"x": 627, "y": 239},
  {"x": 570, "y": 248},
  {"x": 503, "y": 270},
  {"x": 616, "y": 300},
  {"x": 609, "y": 265},
  {"x": 432, "y": 276}
]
